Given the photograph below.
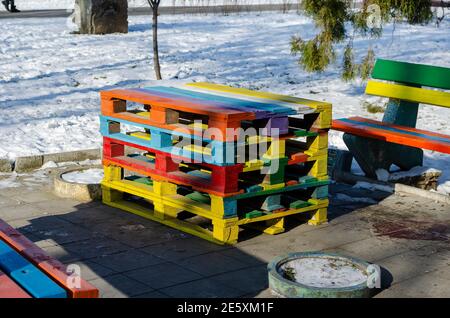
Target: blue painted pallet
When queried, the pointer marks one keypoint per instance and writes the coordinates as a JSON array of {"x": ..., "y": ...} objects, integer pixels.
[
  {"x": 261, "y": 110},
  {"x": 219, "y": 149},
  {"x": 28, "y": 276}
]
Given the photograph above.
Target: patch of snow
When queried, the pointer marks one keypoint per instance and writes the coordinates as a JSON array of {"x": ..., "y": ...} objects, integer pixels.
[
  {"x": 88, "y": 176},
  {"x": 347, "y": 198},
  {"x": 49, "y": 164},
  {"x": 382, "y": 175},
  {"x": 325, "y": 272},
  {"x": 416, "y": 171},
  {"x": 10, "y": 181},
  {"x": 373, "y": 186}
]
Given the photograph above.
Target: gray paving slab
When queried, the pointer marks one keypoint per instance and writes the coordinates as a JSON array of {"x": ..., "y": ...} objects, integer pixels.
[
  {"x": 22, "y": 211},
  {"x": 128, "y": 260},
  {"x": 428, "y": 285},
  {"x": 183, "y": 248},
  {"x": 375, "y": 248},
  {"x": 153, "y": 294},
  {"x": 137, "y": 232},
  {"x": 6, "y": 201},
  {"x": 33, "y": 196},
  {"x": 204, "y": 288},
  {"x": 94, "y": 248},
  {"x": 58, "y": 252},
  {"x": 163, "y": 275},
  {"x": 91, "y": 271},
  {"x": 412, "y": 264},
  {"x": 211, "y": 264},
  {"x": 119, "y": 286},
  {"x": 248, "y": 280}
]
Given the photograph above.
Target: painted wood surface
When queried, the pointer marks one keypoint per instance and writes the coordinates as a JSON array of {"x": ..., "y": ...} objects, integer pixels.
[
  {"x": 50, "y": 266},
  {"x": 28, "y": 276},
  {"x": 9, "y": 288},
  {"x": 413, "y": 74},
  {"x": 141, "y": 96},
  {"x": 393, "y": 133},
  {"x": 407, "y": 93},
  {"x": 261, "y": 109}
]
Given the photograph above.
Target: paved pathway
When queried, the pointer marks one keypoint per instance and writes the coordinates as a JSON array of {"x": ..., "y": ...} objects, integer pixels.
[{"x": 128, "y": 256}]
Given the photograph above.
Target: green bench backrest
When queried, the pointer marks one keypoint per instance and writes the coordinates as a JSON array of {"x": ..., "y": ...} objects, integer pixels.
[
  {"x": 407, "y": 85},
  {"x": 412, "y": 74}
]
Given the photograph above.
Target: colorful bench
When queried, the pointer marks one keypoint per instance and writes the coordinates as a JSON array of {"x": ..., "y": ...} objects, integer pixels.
[
  {"x": 26, "y": 271},
  {"x": 377, "y": 145}
]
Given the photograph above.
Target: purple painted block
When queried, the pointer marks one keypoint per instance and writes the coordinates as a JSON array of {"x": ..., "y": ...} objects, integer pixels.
[{"x": 282, "y": 123}]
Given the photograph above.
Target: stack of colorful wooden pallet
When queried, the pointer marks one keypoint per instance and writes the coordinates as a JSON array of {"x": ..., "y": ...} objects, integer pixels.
[
  {"x": 185, "y": 157},
  {"x": 26, "y": 271}
]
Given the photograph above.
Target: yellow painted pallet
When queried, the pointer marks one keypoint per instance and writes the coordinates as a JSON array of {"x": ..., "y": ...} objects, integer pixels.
[{"x": 166, "y": 206}]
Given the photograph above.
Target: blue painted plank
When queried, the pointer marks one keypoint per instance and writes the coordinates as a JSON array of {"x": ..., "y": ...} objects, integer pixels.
[
  {"x": 27, "y": 275},
  {"x": 219, "y": 149},
  {"x": 262, "y": 110},
  {"x": 393, "y": 129}
]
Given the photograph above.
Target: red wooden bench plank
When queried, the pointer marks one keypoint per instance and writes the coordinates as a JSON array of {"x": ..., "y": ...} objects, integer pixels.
[
  {"x": 9, "y": 288},
  {"x": 402, "y": 135},
  {"x": 50, "y": 266}
]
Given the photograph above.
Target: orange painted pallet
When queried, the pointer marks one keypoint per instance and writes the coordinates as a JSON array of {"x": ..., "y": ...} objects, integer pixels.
[
  {"x": 50, "y": 266},
  {"x": 394, "y": 133},
  {"x": 165, "y": 112}
]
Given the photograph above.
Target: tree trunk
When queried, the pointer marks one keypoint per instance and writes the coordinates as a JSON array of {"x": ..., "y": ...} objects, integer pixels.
[{"x": 155, "y": 44}]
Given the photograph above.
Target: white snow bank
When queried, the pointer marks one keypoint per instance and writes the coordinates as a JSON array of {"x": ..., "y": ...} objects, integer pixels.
[
  {"x": 373, "y": 186},
  {"x": 416, "y": 171},
  {"x": 88, "y": 176}
]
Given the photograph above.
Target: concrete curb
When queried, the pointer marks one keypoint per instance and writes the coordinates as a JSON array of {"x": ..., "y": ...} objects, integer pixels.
[
  {"x": 398, "y": 188},
  {"x": 28, "y": 163},
  {"x": 6, "y": 165},
  {"x": 405, "y": 189}
]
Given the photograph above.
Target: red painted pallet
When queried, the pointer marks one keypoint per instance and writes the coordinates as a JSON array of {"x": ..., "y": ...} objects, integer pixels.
[
  {"x": 165, "y": 112},
  {"x": 394, "y": 133},
  {"x": 50, "y": 266},
  {"x": 222, "y": 181}
]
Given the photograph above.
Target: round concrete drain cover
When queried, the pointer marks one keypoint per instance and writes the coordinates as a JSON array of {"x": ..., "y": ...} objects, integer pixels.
[{"x": 319, "y": 275}]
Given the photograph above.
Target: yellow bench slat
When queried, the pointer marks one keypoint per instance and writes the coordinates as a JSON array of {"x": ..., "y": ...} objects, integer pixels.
[{"x": 407, "y": 93}]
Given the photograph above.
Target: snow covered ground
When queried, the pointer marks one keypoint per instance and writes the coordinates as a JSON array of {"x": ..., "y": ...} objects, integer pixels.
[{"x": 50, "y": 79}]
